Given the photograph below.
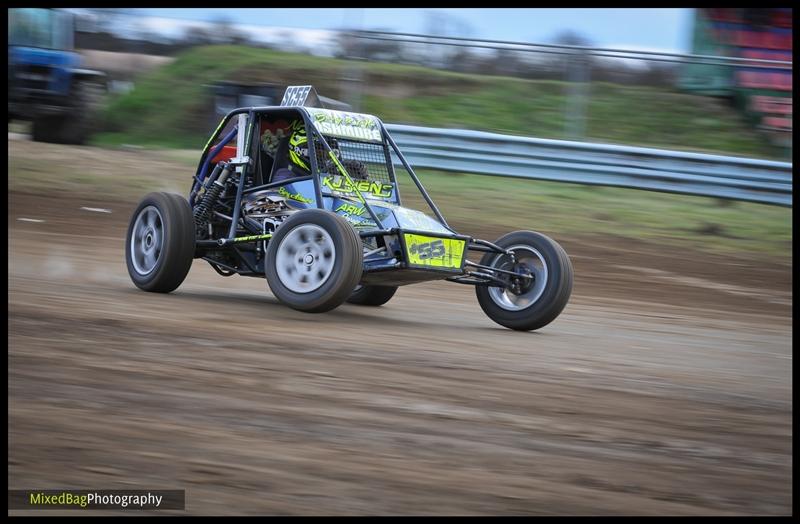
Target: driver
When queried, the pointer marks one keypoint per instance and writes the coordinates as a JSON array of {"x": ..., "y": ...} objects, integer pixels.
[{"x": 299, "y": 164}]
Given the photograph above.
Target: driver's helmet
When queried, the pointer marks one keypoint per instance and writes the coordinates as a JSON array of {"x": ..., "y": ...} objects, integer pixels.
[{"x": 298, "y": 150}]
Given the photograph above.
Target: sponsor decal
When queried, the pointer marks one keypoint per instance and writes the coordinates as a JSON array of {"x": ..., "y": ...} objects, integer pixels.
[
  {"x": 293, "y": 196},
  {"x": 342, "y": 185},
  {"x": 346, "y": 125},
  {"x": 350, "y": 209}
]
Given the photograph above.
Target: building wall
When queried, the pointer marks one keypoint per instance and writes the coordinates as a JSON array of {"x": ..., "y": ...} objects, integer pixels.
[{"x": 764, "y": 95}]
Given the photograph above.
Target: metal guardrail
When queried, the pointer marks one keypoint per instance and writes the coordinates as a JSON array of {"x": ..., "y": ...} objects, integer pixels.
[{"x": 484, "y": 153}]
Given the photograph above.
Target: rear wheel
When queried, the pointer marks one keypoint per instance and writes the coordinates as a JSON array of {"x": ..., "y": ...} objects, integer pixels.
[
  {"x": 314, "y": 260},
  {"x": 159, "y": 246},
  {"x": 539, "y": 299},
  {"x": 372, "y": 295}
]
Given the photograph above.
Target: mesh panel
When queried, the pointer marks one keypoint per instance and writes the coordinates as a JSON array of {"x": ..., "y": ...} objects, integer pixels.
[{"x": 362, "y": 160}]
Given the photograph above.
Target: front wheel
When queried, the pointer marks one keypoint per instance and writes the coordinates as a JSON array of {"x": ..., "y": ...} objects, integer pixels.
[
  {"x": 314, "y": 260},
  {"x": 159, "y": 247},
  {"x": 538, "y": 299}
]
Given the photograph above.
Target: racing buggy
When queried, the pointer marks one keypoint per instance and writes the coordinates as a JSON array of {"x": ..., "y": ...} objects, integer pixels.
[{"x": 308, "y": 198}]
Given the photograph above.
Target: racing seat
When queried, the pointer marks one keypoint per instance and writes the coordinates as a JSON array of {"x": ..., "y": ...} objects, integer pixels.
[{"x": 281, "y": 159}]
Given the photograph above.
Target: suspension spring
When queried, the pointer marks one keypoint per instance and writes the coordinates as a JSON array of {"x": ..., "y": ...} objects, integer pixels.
[{"x": 202, "y": 211}]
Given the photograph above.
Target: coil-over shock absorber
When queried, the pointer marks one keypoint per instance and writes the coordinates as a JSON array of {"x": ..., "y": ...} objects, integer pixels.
[{"x": 202, "y": 211}]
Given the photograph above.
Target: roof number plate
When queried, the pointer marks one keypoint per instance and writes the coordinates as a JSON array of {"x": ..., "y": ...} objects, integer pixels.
[{"x": 296, "y": 95}]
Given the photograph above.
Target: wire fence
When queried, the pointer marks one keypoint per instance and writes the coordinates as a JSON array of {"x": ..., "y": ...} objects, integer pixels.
[
  {"x": 563, "y": 49},
  {"x": 579, "y": 65}
]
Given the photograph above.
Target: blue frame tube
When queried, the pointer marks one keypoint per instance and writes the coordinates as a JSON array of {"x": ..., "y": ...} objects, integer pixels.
[{"x": 211, "y": 154}]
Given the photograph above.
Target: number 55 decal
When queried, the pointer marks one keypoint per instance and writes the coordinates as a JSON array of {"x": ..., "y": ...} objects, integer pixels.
[
  {"x": 434, "y": 252},
  {"x": 428, "y": 250}
]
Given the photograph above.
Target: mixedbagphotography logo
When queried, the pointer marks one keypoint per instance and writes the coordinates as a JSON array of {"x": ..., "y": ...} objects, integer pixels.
[{"x": 96, "y": 499}]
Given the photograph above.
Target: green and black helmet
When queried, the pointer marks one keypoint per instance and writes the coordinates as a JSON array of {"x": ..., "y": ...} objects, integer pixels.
[{"x": 298, "y": 149}]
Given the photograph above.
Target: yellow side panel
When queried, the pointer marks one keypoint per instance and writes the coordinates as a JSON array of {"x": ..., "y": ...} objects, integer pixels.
[{"x": 434, "y": 252}]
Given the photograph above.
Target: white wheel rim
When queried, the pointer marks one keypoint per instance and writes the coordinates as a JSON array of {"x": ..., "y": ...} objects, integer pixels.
[
  {"x": 533, "y": 262},
  {"x": 305, "y": 258},
  {"x": 147, "y": 240}
]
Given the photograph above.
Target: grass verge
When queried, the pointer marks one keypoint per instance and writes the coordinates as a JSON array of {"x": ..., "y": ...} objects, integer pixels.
[
  {"x": 473, "y": 204},
  {"x": 171, "y": 106}
]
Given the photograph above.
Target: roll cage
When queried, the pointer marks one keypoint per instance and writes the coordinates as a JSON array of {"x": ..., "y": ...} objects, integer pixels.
[
  {"x": 248, "y": 143},
  {"x": 246, "y": 132}
]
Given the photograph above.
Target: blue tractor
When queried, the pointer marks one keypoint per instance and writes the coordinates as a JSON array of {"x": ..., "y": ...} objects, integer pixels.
[{"x": 46, "y": 84}]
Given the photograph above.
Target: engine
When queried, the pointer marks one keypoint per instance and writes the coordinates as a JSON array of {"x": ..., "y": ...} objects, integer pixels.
[{"x": 266, "y": 209}]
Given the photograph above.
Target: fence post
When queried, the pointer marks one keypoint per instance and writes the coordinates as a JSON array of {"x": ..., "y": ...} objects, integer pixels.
[
  {"x": 352, "y": 76},
  {"x": 578, "y": 71}
]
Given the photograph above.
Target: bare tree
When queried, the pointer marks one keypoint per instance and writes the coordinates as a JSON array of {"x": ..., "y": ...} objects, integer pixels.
[
  {"x": 109, "y": 19},
  {"x": 507, "y": 62},
  {"x": 346, "y": 43},
  {"x": 573, "y": 62},
  {"x": 223, "y": 30},
  {"x": 439, "y": 23},
  {"x": 462, "y": 60},
  {"x": 350, "y": 45},
  {"x": 570, "y": 37},
  {"x": 198, "y": 35}
]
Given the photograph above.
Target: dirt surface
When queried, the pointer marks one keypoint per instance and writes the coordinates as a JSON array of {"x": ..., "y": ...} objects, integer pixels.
[{"x": 664, "y": 387}]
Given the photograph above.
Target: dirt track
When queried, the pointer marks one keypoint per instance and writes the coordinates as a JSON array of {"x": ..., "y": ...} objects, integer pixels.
[{"x": 664, "y": 388}]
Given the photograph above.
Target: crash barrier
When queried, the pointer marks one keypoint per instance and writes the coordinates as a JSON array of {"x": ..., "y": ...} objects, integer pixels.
[{"x": 484, "y": 153}]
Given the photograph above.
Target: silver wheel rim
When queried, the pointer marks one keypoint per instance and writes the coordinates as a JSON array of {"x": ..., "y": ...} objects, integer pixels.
[
  {"x": 305, "y": 258},
  {"x": 533, "y": 262},
  {"x": 147, "y": 240}
]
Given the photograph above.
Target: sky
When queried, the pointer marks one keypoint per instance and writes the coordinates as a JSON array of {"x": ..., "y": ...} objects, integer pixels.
[{"x": 640, "y": 29}]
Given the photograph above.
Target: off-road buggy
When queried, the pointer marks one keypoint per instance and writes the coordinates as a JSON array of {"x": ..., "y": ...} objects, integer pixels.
[{"x": 339, "y": 233}]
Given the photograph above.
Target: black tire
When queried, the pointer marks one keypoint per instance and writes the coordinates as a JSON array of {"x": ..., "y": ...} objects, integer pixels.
[
  {"x": 547, "y": 301},
  {"x": 46, "y": 129},
  {"x": 372, "y": 295},
  {"x": 87, "y": 97},
  {"x": 174, "y": 258},
  {"x": 75, "y": 126},
  {"x": 330, "y": 278}
]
